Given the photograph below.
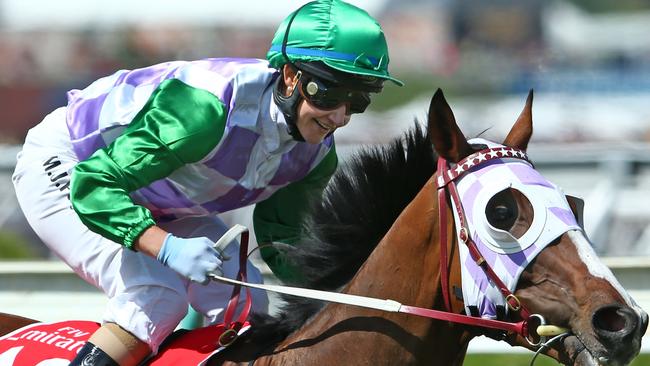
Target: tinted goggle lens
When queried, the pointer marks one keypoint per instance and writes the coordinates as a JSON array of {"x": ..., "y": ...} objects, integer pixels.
[{"x": 327, "y": 97}]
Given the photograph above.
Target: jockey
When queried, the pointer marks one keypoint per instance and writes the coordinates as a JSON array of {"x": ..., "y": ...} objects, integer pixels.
[{"x": 125, "y": 182}]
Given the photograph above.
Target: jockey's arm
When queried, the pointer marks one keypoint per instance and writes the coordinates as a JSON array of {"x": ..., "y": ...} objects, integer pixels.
[{"x": 165, "y": 135}]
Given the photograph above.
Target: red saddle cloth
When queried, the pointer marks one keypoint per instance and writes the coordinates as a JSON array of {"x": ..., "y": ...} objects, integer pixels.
[{"x": 56, "y": 344}]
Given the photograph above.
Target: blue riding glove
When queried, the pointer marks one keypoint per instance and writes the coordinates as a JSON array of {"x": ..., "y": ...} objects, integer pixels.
[{"x": 193, "y": 258}]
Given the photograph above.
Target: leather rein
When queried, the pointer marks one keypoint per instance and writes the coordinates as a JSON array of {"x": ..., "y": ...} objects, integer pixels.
[{"x": 445, "y": 181}]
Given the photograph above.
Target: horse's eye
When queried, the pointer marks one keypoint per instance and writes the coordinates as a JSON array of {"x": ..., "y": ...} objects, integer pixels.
[{"x": 501, "y": 211}]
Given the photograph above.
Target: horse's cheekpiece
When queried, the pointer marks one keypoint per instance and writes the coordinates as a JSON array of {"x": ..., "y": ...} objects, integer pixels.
[
  {"x": 484, "y": 175},
  {"x": 57, "y": 344}
]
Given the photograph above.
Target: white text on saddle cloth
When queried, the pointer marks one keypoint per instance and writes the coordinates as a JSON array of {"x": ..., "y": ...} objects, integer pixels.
[
  {"x": 45, "y": 344},
  {"x": 506, "y": 255},
  {"x": 56, "y": 344}
]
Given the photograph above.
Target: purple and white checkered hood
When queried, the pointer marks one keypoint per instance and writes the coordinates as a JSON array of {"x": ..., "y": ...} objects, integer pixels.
[{"x": 506, "y": 255}]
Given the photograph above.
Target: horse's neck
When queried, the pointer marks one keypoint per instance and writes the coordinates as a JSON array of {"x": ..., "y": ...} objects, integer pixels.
[
  {"x": 404, "y": 267},
  {"x": 10, "y": 322}
]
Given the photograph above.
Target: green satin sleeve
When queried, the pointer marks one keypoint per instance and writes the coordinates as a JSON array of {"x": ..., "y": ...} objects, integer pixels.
[
  {"x": 279, "y": 217},
  {"x": 178, "y": 125}
]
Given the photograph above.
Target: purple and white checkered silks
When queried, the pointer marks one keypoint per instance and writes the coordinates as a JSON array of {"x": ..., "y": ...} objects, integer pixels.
[
  {"x": 507, "y": 256},
  {"x": 254, "y": 158}
]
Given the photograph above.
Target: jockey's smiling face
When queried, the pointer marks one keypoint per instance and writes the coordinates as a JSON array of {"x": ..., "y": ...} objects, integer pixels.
[{"x": 314, "y": 123}]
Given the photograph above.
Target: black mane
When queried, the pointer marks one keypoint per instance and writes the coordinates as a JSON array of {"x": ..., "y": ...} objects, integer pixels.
[{"x": 359, "y": 205}]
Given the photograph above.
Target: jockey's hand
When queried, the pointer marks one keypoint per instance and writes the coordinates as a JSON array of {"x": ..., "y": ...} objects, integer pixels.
[{"x": 193, "y": 258}]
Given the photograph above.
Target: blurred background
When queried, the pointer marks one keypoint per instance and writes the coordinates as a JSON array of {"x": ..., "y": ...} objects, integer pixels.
[{"x": 588, "y": 62}]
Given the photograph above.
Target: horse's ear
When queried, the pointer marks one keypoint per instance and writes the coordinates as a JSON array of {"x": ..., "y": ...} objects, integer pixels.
[
  {"x": 521, "y": 132},
  {"x": 446, "y": 137},
  {"x": 577, "y": 206}
]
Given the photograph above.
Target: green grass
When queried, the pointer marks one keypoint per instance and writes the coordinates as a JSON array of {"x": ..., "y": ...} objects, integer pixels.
[
  {"x": 12, "y": 246},
  {"x": 524, "y": 360},
  {"x": 607, "y": 6}
]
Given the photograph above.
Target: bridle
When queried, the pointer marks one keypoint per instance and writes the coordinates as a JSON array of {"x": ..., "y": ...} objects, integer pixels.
[
  {"x": 445, "y": 181},
  {"x": 532, "y": 327}
]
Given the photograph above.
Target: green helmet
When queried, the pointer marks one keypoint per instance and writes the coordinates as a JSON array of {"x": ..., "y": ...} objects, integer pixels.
[{"x": 337, "y": 34}]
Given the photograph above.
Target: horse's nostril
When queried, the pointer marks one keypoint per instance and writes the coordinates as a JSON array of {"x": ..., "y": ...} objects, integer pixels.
[
  {"x": 615, "y": 322},
  {"x": 609, "y": 319},
  {"x": 618, "y": 328}
]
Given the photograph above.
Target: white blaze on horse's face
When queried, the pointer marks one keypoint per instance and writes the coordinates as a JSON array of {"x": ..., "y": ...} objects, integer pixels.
[
  {"x": 598, "y": 269},
  {"x": 508, "y": 256}
]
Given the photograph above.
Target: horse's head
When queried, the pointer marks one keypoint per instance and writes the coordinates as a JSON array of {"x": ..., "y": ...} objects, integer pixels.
[{"x": 526, "y": 230}]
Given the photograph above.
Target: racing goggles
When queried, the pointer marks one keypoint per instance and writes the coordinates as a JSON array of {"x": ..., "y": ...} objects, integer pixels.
[{"x": 326, "y": 96}]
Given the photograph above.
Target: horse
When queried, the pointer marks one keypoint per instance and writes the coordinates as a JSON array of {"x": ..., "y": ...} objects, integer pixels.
[
  {"x": 433, "y": 221},
  {"x": 377, "y": 233}
]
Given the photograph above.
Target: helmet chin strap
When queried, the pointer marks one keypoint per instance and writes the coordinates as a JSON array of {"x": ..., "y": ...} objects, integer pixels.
[
  {"x": 289, "y": 107},
  {"x": 289, "y": 104}
]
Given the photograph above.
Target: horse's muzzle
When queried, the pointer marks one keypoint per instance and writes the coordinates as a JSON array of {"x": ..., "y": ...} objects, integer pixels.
[{"x": 619, "y": 329}]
